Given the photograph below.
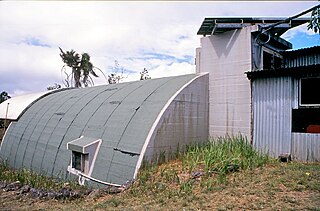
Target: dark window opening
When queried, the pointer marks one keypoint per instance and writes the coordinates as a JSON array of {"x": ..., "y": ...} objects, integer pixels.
[
  {"x": 271, "y": 61},
  {"x": 267, "y": 60},
  {"x": 78, "y": 161},
  {"x": 83, "y": 154},
  {"x": 309, "y": 91},
  {"x": 277, "y": 62},
  {"x": 306, "y": 120}
]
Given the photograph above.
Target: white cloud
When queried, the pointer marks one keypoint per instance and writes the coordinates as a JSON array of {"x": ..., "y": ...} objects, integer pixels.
[
  {"x": 159, "y": 36},
  {"x": 290, "y": 34},
  {"x": 173, "y": 70}
]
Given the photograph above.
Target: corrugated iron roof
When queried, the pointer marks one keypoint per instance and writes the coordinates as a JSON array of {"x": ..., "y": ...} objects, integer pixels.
[
  {"x": 311, "y": 70},
  {"x": 216, "y": 25},
  {"x": 300, "y": 62},
  {"x": 298, "y": 52}
]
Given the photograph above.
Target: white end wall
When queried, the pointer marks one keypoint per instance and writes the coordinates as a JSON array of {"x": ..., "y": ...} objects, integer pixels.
[
  {"x": 227, "y": 57},
  {"x": 184, "y": 122}
]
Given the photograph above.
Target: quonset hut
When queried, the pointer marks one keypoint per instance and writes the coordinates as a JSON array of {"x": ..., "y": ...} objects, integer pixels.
[{"x": 103, "y": 134}]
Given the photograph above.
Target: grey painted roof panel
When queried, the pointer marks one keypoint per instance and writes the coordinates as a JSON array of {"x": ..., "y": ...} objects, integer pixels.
[
  {"x": 120, "y": 115},
  {"x": 6, "y": 145}
]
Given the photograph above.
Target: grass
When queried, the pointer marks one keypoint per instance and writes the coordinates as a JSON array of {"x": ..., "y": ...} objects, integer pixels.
[
  {"x": 233, "y": 176},
  {"x": 38, "y": 181},
  {"x": 211, "y": 163},
  {"x": 223, "y": 155}
]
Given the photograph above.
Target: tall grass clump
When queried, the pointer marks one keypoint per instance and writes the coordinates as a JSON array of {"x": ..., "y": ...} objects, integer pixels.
[{"x": 223, "y": 155}]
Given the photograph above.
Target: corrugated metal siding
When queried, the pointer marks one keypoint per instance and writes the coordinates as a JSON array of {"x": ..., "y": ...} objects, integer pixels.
[
  {"x": 304, "y": 60},
  {"x": 271, "y": 98},
  {"x": 306, "y": 147},
  {"x": 295, "y": 96},
  {"x": 302, "y": 57}
]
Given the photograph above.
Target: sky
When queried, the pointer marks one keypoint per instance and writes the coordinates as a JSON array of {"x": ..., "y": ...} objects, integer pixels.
[{"x": 158, "y": 35}]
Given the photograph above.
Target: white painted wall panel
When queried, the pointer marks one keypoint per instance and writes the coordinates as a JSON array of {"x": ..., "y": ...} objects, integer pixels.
[{"x": 227, "y": 57}]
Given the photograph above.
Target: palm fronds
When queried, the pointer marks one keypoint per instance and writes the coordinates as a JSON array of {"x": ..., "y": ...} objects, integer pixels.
[{"x": 81, "y": 69}]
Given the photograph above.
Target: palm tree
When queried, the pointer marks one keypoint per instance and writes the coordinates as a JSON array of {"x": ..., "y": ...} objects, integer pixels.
[
  {"x": 87, "y": 68},
  {"x": 81, "y": 69}
]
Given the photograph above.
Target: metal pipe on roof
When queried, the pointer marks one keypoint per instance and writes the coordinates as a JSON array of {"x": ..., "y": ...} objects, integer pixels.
[{"x": 289, "y": 19}]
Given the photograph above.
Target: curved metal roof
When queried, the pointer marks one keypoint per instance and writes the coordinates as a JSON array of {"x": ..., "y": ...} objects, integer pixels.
[
  {"x": 121, "y": 115},
  {"x": 14, "y": 107}
]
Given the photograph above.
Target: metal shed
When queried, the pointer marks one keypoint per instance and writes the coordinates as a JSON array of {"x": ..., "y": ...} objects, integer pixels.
[
  {"x": 103, "y": 134},
  {"x": 286, "y": 106}
]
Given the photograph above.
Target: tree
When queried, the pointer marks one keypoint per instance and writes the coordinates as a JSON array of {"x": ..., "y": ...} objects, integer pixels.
[
  {"x": 53, "y": 87},
  {"x": 314, "y": 23},
  {"x": 144, "y": 75},
  {"x": 4, "y": 96},
  {"x": 81, "y": 69},
  {"x": 117, "y": 75}
]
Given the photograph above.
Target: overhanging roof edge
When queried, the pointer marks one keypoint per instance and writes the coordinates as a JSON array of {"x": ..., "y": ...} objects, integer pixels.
[
  {"x": 209, "y": 23},
  {"x": 293, "y": 71}
]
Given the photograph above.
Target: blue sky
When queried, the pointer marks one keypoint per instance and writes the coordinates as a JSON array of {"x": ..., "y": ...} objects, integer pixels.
[
  {"x": 304, "y": 40},
  {"x": 159, "y": 36}
]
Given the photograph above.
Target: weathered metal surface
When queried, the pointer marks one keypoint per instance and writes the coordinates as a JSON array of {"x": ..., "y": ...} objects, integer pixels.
[
  {"x": 120, "y": 115},
  {"x": 302, "y": 57},
  {"x": 306, "y": 147},
  {"x": 187, "y": 116},
  {"x": 272, "y": 100}
]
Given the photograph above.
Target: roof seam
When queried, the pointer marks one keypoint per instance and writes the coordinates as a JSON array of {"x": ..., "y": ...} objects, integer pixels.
[
  {"x": 30, "y": 120},
  {"x": 69, "y": 127}
]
